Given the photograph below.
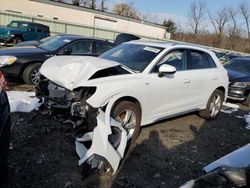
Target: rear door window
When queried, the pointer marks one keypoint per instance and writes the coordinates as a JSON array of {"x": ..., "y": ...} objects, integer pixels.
[
  {"x": 200, "y": 60},
  {"x": 80, "y": 47},
  {"x": 46, "y": 30},
  {"x": 39, "y": 28},
  {"x": 101, "y": 47}
]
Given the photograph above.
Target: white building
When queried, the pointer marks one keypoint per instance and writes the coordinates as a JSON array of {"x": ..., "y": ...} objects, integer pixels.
[{"x": 101, "y": 22}]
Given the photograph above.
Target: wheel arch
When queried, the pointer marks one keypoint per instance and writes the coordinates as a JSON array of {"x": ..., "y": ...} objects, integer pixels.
[
  {"x": 221, "y": 88},
  {"x": 130, "y": 99},
  {"x": 110, "y": 103},
  {"x": 27, "y": 64},
  {"x": 17, "y": 35}
]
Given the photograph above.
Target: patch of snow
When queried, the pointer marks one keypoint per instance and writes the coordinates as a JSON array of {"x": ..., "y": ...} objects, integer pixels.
[
  {"x": 230, "y": 105},
  {"x": 232, "y": 108},
  {"x": 21, "y": 101},
  {"x": 247, "y": 118},
  {"x": 230, "y": 111},
  {"x": 189, "y": 184}
]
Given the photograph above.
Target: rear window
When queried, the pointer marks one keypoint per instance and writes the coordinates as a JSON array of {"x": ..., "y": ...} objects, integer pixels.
[{"x": 102, "y": 47}]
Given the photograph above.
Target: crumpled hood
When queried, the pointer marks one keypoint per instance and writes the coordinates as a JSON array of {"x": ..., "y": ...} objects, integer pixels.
[{"x": 68, "y": 71}]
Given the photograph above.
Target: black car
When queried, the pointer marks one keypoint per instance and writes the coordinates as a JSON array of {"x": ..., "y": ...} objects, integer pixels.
[
  {"x": 239, "y": 78},
  {"x": 34, "y": 42},
  {"x": 24, "y": 62},
  {"x": 5, "y": 126}
]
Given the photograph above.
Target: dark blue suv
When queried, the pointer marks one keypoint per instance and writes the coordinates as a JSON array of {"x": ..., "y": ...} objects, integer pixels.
[
  {"x": 18, "y": 31},
  {"x": 5, "y": 128}
]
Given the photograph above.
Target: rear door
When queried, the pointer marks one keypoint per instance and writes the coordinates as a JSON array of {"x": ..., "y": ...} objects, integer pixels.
[
  {"x": 31, "y": 33},
  {"x": 39, "y": 32},
  {"x": 203, "y": 72}
]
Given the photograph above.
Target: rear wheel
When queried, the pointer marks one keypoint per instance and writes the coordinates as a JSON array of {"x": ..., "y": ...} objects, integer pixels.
[
  {"x": 214, "y": 105},
  {"x": 31, "y": 74}
]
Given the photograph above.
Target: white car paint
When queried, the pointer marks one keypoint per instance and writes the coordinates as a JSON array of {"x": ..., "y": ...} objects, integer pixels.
[{"x": 159, "y": 97}]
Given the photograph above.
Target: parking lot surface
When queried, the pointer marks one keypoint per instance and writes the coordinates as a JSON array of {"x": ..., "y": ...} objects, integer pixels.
[{"x": 166, "y": 154}]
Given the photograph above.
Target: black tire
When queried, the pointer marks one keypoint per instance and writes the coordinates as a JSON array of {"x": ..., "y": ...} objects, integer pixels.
[
  {"x": 17, "y": 39},
  {"x": 28, "y": 73},
  {"x": 247, "y": 101},
  {"x": 207, "y": 113},
  {"x": 119, "y": 108}
]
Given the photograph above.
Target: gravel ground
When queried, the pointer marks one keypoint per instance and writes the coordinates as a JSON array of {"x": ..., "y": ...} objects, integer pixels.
[{"x": 166, "y": 154}]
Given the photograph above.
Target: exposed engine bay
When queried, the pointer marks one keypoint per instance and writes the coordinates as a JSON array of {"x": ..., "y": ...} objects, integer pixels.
[{"x": 72, "y": 104}]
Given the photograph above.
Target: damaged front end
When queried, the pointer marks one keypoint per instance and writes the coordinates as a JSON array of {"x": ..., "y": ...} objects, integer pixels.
[
  {"x": 71, "y": 104},
  {"x": 103, "y": 148}
]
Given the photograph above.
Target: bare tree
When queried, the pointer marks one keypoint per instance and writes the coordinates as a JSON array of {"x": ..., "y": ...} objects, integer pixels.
[
  {"x": 219, "y": 20},
  {"x": 103, "y": 7},
  {"x": 244, "y": 9},
  {"x": 125, "y": 9},
  {"x": 197, "y": 11},
  {"x": 233, "y": 31}
]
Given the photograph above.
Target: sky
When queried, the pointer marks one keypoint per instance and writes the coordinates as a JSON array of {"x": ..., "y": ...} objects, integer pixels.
[{"x": 174, "y": 9}]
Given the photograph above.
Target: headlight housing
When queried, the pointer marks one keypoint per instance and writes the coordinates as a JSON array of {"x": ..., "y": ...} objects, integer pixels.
[
  {"x": 7, "y": 60},
  {"x": 241, "y": 84}
]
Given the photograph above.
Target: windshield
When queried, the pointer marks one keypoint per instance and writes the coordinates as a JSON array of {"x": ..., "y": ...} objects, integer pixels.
[
  {"x": 54, "y": 43},
  {"x": 20, "y": 25},
  {"x": 238, "y": 65},
  {"x": 135, "y": 56}
]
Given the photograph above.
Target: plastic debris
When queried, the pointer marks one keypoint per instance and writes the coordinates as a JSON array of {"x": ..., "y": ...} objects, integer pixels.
[{"x": 21, "y": 101}]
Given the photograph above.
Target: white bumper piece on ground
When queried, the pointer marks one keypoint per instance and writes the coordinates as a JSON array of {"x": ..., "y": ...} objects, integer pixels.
[
  {"x": 21, "y": 101},
  {"x": 101, "y": 147},
  {"x": 239, "y": 158}
]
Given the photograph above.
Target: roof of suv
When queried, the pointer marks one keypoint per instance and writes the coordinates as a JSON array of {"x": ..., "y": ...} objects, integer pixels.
[
  {"x": 29, "y": 22},
  {"x": 168, "y": 44}
]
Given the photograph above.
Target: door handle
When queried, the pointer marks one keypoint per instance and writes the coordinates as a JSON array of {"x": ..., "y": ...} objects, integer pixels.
[
  {"x": 186, "y": 80},
  {"x": 214, "y": 78}
]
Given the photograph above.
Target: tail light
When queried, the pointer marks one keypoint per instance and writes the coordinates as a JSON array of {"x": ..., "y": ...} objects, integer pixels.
[{"x": 3, "y": 83}]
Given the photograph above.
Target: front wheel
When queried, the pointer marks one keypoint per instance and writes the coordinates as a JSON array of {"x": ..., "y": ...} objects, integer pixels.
[
  {"x": 214, "y": 105},
  {"x": 17, "y": 40},
  {"x": 129, "y": 114},
  {"x": 31, "y": 74}
]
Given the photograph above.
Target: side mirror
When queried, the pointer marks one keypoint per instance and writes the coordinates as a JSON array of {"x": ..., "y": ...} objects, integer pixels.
[{"x": 166, "y": 69}]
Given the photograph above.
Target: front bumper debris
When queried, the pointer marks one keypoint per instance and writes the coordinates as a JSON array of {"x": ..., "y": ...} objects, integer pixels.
[{"x": 101, "y": 145}]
